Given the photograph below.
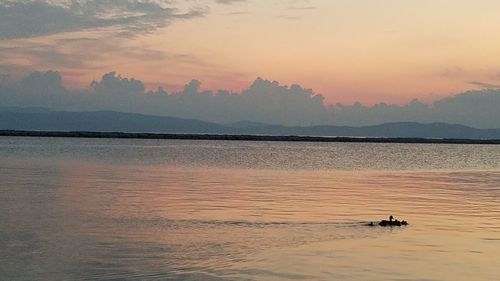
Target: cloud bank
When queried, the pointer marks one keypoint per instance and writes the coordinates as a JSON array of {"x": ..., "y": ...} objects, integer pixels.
[
  {"x": 29, "y": 18},
  {"x": 263, "y": 101}
]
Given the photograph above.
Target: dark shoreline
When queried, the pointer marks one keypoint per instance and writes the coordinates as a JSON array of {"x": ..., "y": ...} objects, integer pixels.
[{"x": 121, "y": 135}]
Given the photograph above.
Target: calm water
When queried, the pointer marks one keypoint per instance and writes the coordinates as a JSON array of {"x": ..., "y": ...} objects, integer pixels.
[{"x": 90, "y": 209}]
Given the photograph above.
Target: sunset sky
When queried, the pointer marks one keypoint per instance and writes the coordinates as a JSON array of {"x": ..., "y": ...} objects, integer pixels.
[{"x": 347, "y": 50}]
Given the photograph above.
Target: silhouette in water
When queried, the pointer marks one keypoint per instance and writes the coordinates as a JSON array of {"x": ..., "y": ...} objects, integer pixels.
[{"x": 390, "y": 222}]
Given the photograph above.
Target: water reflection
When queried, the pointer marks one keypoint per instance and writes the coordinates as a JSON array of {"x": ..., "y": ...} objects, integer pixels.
[
  {"x": 88, "y": 219},
  {"x": 257, "y": 155}
]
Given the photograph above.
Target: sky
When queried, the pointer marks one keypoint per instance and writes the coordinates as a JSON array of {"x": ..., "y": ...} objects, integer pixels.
[{"x": 346, "y": 50}]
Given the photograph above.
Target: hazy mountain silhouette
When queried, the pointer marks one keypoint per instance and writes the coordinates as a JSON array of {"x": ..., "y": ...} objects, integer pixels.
[
  {"x": 103, "y": 121},
  {"x": 25, "y": 109},
  {"x": 41, "y": 119},
  {"x": 403, "y": 130}
]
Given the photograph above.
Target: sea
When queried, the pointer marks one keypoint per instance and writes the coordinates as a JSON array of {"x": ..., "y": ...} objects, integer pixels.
[{"x": 130, "y": 209}]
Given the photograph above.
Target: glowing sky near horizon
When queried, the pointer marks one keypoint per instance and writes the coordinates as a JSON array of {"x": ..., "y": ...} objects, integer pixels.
[{"x": 348, "y": 50}]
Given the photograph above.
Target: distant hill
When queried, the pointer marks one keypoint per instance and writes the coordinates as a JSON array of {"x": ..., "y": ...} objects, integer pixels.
[
  {"x": 109, "y": 121},
  {"x": 25, "y": 109},
  {"x": 103, "y": 121},
  {"x": 395, "y": 130}
]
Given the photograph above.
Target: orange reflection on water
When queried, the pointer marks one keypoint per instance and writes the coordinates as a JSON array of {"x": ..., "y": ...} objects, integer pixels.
[{"x": 275, "y": 224}]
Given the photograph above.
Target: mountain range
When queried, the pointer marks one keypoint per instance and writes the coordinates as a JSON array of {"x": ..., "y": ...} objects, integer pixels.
[{"x": 41, "y": 119}]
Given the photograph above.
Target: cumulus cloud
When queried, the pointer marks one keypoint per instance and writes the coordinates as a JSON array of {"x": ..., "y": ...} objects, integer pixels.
[
  {"x": 38, "y": 90},
  {"x": 475, "y": 108},
  {"x": 361, "y": 115},
  {"x": 480, "y": 109},
  {"x": 263, "y": 101},
  {"x": 29, "y": 18}
]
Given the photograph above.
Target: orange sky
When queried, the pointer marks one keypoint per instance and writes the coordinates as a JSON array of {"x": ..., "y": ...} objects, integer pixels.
[{"x": 368, "y": 51}]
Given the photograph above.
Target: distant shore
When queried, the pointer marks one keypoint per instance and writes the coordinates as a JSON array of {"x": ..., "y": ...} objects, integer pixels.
[{"x": 122, "y": 135}]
